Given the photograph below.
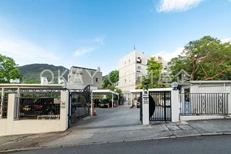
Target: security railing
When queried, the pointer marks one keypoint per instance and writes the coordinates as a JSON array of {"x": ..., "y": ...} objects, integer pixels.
[
  {"x": 3, "y": 106},
  {"x": 204, "y": 104},
  {"x": 38, "y": 108}
]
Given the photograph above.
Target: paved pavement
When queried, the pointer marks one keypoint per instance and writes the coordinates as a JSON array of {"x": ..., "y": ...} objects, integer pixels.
[
  {"x": 192, "y": 145},
  {"x": 113, "y": 126}
]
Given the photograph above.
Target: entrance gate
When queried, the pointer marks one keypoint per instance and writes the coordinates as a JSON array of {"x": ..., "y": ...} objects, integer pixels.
[
  {"x": 162, "y": 107},
  {"x": 159, "y": 106},
  {"x": 79, "y": 104}
]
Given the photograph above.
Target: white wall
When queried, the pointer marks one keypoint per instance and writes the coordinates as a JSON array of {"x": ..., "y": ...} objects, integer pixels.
[
  {"x": 127, "y": 72},
  {"x": 189, "y": 118},
  {"x": 3, "y": 127},
  {"x": 35, "y": 126},
  {"x": 12, "y": 126},
  {"x": 209, "y": 88}
]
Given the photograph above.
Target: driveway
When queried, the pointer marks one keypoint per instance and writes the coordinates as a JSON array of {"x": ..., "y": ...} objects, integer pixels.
[{"x": 113, "y": 117}]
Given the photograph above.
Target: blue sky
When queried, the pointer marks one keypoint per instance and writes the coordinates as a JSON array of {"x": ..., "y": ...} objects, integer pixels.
[{"x": 97, "y": 33}]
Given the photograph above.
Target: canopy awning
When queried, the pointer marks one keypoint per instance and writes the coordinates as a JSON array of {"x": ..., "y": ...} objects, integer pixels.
[
  {"x": 104, "y": 92},
  {"x": 137, "y": 91}
]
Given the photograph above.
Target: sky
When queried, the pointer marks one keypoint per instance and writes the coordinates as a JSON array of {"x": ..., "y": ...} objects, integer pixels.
[{"x": 97, "y": 33}]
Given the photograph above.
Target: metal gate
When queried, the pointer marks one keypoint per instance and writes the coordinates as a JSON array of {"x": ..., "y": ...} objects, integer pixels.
[
  {"x": 79, "y": 104},
  {"x": 162, "y": 106},
  {"x": 141, "y": 110}
]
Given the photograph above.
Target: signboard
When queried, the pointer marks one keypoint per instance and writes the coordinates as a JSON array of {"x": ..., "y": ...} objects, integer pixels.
[{"x": 63, "y": 104}]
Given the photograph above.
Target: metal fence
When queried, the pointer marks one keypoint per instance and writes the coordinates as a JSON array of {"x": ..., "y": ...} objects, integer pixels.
[
  {"x": 3, "y": 106},
  {"x": 38, "y": 108},
  {"x": 204, "y": 104},
  {"x": 162, "y": 106},
  {"x": 79, "y": 107}
]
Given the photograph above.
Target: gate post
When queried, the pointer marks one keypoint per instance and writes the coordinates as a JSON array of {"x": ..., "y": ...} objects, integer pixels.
[
  {"x": 145, "y": 107},
  {"x": 175, "y": 105},
  {"x": 64, "y": 110},
  {"x": 92, "y": 104}
]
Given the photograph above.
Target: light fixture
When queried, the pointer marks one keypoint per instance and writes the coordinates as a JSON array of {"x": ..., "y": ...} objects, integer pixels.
[{"x": 174, "y": 85}]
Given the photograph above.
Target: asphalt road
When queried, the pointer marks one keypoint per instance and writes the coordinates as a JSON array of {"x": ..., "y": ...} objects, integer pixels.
[
  {"x": 193, "y": 145},
  {"x": 110, "y": 118}
]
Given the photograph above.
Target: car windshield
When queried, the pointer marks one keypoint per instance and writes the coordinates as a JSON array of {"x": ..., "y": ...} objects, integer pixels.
[{"x": 105, "y": 101}]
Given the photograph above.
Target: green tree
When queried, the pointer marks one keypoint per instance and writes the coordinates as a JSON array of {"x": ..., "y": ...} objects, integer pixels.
[
  {"x": 8, "y": 69},
  {"x": 204, "y": 59},
  {"x": 108, "y": 83},
  {"x": 112, "y": 77},
  {"x": 154, "y": 70}
]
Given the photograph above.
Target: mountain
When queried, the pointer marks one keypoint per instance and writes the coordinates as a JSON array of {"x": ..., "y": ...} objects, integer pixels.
[{"x": 34, "y": 71}]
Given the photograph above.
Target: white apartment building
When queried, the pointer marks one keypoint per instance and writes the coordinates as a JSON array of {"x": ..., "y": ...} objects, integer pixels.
[
  {"x": 85, "y": 76},
  {"x": 165, "y": 66},
  {"x": 132, "y": 68}
]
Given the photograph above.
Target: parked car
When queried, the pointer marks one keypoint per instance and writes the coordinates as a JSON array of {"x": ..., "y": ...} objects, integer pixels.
[
  {"x": 39, "y": 106},
  {"x": 96, "y": 102},
  {"x": 105, "y": 103}
]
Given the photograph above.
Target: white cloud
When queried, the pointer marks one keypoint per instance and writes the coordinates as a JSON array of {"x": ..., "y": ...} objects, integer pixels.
[
  {"x": 176, "y": 5},
  {"x": 225, "y": 40},
  {"x": 24, "y": 52},
  {"x": 82, "y": 51},
  {"x": 167, "y": 56}
]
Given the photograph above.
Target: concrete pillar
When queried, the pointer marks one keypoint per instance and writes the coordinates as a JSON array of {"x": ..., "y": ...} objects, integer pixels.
[
  {"x": 64, "y": 110},
  {"x": 175, "y": 105},
  {"x": 145, "y": 107},
  {"x": 18, "y": 91},
  {"x": 92, "y": 104},
  {"x": 11, "y": 111},
  {"x": 228, "y": 90}
]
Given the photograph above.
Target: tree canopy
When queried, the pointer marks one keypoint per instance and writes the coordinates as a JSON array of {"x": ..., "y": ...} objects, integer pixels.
[
  {"x": 109, "y": 81},
  {"x": 205, "y": 59},
  {"x": 111, "y": 78},
  {"x": 8, "y": 69},
  {"x": 154, "y": 71}
]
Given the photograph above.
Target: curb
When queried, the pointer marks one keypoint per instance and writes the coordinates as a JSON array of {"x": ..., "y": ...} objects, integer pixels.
[
  {"x": 20, "y": 149},
  {"x": 122, "y": 141}
]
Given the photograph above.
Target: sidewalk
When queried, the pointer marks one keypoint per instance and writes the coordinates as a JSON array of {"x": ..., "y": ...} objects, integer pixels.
[{"x": 87, "y": 135}]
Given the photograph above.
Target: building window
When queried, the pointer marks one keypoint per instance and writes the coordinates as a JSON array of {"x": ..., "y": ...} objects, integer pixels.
[
  {"x": 125, "y": 63},
  {"x": 138, "y": 60},
  {"x": 129, "y": 61},
  {"x": 125, "y": 80},
  {"x": 96, "y": 79},
  {"x": 139, "y": 68}
]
